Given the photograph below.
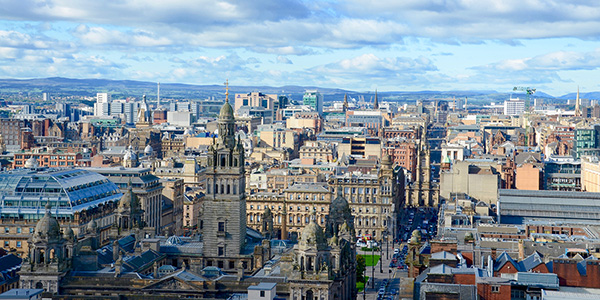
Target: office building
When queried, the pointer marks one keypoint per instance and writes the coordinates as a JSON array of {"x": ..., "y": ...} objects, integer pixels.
[{"x": 313, "y": 99}]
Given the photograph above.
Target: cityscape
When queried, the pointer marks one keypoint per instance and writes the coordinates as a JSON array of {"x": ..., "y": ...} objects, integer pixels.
[{"x": 299, "y": 150}]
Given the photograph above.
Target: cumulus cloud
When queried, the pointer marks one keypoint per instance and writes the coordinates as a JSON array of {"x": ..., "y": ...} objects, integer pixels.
[{"x": 283, "y": 60}]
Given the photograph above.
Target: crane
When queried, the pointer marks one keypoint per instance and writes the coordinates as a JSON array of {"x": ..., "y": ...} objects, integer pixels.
[{"x": 527, "y": 90}]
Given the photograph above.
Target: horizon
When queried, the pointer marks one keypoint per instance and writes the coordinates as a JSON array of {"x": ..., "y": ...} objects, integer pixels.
[{"x": 388, "y": 46}]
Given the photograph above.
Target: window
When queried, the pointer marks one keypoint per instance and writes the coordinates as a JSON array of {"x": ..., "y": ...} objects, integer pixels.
[
  {"x": 6, "y": 230},
  {"x": 18, "y": 229},
  {"x": 221, "y": 251},
  {"x": 495, "y": 289},
  {"x": 221, "y": 227},
  {"x": 31, "y": 230},
  {"x": 262, "y": 294},
  {"x": 6, "y": 244},
  {"x": 18, "y": 244}
]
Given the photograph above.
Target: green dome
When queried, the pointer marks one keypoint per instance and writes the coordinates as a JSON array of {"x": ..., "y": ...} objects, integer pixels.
[{"x": 226, "y": 111}]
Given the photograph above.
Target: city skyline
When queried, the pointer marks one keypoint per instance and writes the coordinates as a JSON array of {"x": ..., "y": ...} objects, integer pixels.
[{"x": 389, "y": 46}]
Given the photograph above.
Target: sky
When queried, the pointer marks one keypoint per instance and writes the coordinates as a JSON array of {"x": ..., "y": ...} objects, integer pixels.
[{"x": 359, "y": 45}]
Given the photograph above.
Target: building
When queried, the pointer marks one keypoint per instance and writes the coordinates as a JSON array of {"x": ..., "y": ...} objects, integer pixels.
[
  {"x": 360, "y": 146},
  {"x": 224, "y": 215},
  {"x": 78, "y": 198},
  {"x": 480, "y": 180},
  {"x": 255, "y": 99},
  {"x": 519, "y": 206},
  {"x": 514, "y": 107},
  {"x": 320, "y": 151},
  {"x": 313, "y": 99},
  {"x": 373, "y": 120},
  {"x": 52, "y": 158},
  {"x": 146, "y": 187}
]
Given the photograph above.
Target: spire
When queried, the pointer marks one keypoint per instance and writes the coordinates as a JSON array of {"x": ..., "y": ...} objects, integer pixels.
[
  {"x": 345, "y": 107},
  {"x": 227, "y": 90},
  {"x": 578, "y": 104},
  {"x": 375, "y": 103}
]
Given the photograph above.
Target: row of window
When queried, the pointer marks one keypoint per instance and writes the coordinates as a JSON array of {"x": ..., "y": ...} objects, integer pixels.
[
  {"x": 19, "y": 244},
  {"x": 18, "y": 230}
]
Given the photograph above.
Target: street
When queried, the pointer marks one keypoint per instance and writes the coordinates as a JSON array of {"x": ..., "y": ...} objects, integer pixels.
[{"x": 394, "y": 276}]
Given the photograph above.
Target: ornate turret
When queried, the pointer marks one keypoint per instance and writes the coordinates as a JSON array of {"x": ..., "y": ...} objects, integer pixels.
[
  {"x": 339, "y": 214},
  {"x": 47, "y": 228},
  {"x": 376, "y": 102},
  {"x": 50, "y": 254},
  {"x": 312, "y": 235}
]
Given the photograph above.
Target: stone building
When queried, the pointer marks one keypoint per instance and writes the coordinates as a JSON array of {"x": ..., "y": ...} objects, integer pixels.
[
  {"x": 49, "y": 256},
  {"x": 146, "y": 186},
  {"x": 375, "y": 199},
  {"x": 224, "y": 213}
]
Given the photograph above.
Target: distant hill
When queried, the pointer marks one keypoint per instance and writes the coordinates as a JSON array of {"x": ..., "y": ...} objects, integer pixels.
[
  {"x": 590, "y": 95},
  {"x": 65, "y": 87}
]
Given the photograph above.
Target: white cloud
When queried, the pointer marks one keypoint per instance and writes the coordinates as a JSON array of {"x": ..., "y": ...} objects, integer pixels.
[{"x": 283, "y": 60}]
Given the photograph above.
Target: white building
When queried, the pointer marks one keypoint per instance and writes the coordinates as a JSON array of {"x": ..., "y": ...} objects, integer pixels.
[
  {"x": 102, "y": 105},
  {"x": 514, "y": 107}
]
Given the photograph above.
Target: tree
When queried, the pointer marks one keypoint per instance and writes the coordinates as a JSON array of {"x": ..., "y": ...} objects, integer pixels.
[{"x": 361, "y": 265}]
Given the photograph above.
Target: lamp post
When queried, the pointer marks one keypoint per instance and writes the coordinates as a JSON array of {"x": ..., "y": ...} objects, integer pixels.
[
  {"x": 372, "y": 267},
  {"x": 387, "y": 248},
  {"x": 380, "y": 256}
]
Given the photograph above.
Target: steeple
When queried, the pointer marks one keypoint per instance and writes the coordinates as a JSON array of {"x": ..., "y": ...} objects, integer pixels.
[
  {"x": 375, "y": 103},
  {"x": 578, "y": 104},
  {"x": 345, "y": 107},
  {"x": 226, "y": 122}
]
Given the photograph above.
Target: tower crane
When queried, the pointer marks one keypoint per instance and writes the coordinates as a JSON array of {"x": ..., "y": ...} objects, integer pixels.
[{"x": 527, "y": 90}]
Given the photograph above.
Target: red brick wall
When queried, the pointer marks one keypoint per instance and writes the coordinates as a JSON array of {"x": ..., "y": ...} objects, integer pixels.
[{"x": 484, "y": 291}]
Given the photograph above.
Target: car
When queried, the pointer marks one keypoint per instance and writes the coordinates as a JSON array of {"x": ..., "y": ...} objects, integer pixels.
[
  {"x": 396, "y": 251},
  {"x": 392, "y": 265},
  {"x": 394, "y": 291}
]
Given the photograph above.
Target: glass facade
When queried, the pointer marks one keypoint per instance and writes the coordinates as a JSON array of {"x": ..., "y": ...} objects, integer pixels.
[{"x": 25, "y": 192}]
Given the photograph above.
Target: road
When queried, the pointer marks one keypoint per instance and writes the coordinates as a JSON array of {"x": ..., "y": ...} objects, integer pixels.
[{"x": 394, "y": 275}]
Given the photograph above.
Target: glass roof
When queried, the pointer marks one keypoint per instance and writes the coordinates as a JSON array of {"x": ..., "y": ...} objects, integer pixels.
[{"x": 24, "y": 192}]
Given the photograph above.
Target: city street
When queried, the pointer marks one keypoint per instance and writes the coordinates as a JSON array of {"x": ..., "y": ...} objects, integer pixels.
[{"x": 395, "y": 278}]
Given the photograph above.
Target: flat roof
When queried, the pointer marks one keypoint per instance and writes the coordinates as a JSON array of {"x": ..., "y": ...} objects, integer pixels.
[{"x": 263, "y": 286}]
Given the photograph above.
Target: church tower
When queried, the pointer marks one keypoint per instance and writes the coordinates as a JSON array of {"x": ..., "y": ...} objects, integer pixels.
[{"x": 224, "y": 216}]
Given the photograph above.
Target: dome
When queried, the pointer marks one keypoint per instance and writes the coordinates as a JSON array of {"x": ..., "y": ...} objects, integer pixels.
[
  {"x": 226, "y": 111},
  {"x": 386, "y": 160},
  {"x": 47, "y": 227},
  {"x": 92, "y": 227},
  {"x": 69, "y": 235},
  {"x": 339, "y": 205},
  {"x": 126, "y": 199},
  {"x": 148, "y": 150},
  {"x": 174, "y": 240},
  {"x": 312, "y": 235},
  {"x": 31, "y": 163}
]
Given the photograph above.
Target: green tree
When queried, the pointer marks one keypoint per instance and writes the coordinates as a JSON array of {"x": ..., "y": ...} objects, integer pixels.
[{"x": 361, "y": 265}]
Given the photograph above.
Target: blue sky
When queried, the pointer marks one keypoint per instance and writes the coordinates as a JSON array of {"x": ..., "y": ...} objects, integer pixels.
[{"x": 406, "y": 45}]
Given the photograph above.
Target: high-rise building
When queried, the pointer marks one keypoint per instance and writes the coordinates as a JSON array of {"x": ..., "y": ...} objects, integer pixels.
[
  {"x": 514, "y": 107},
  {"x": 313, "y": 99},
  {"x": 102, "y": 105}
]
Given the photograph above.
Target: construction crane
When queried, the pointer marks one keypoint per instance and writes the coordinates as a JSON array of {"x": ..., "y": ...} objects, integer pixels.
[{"x": 527, "y": 90}]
